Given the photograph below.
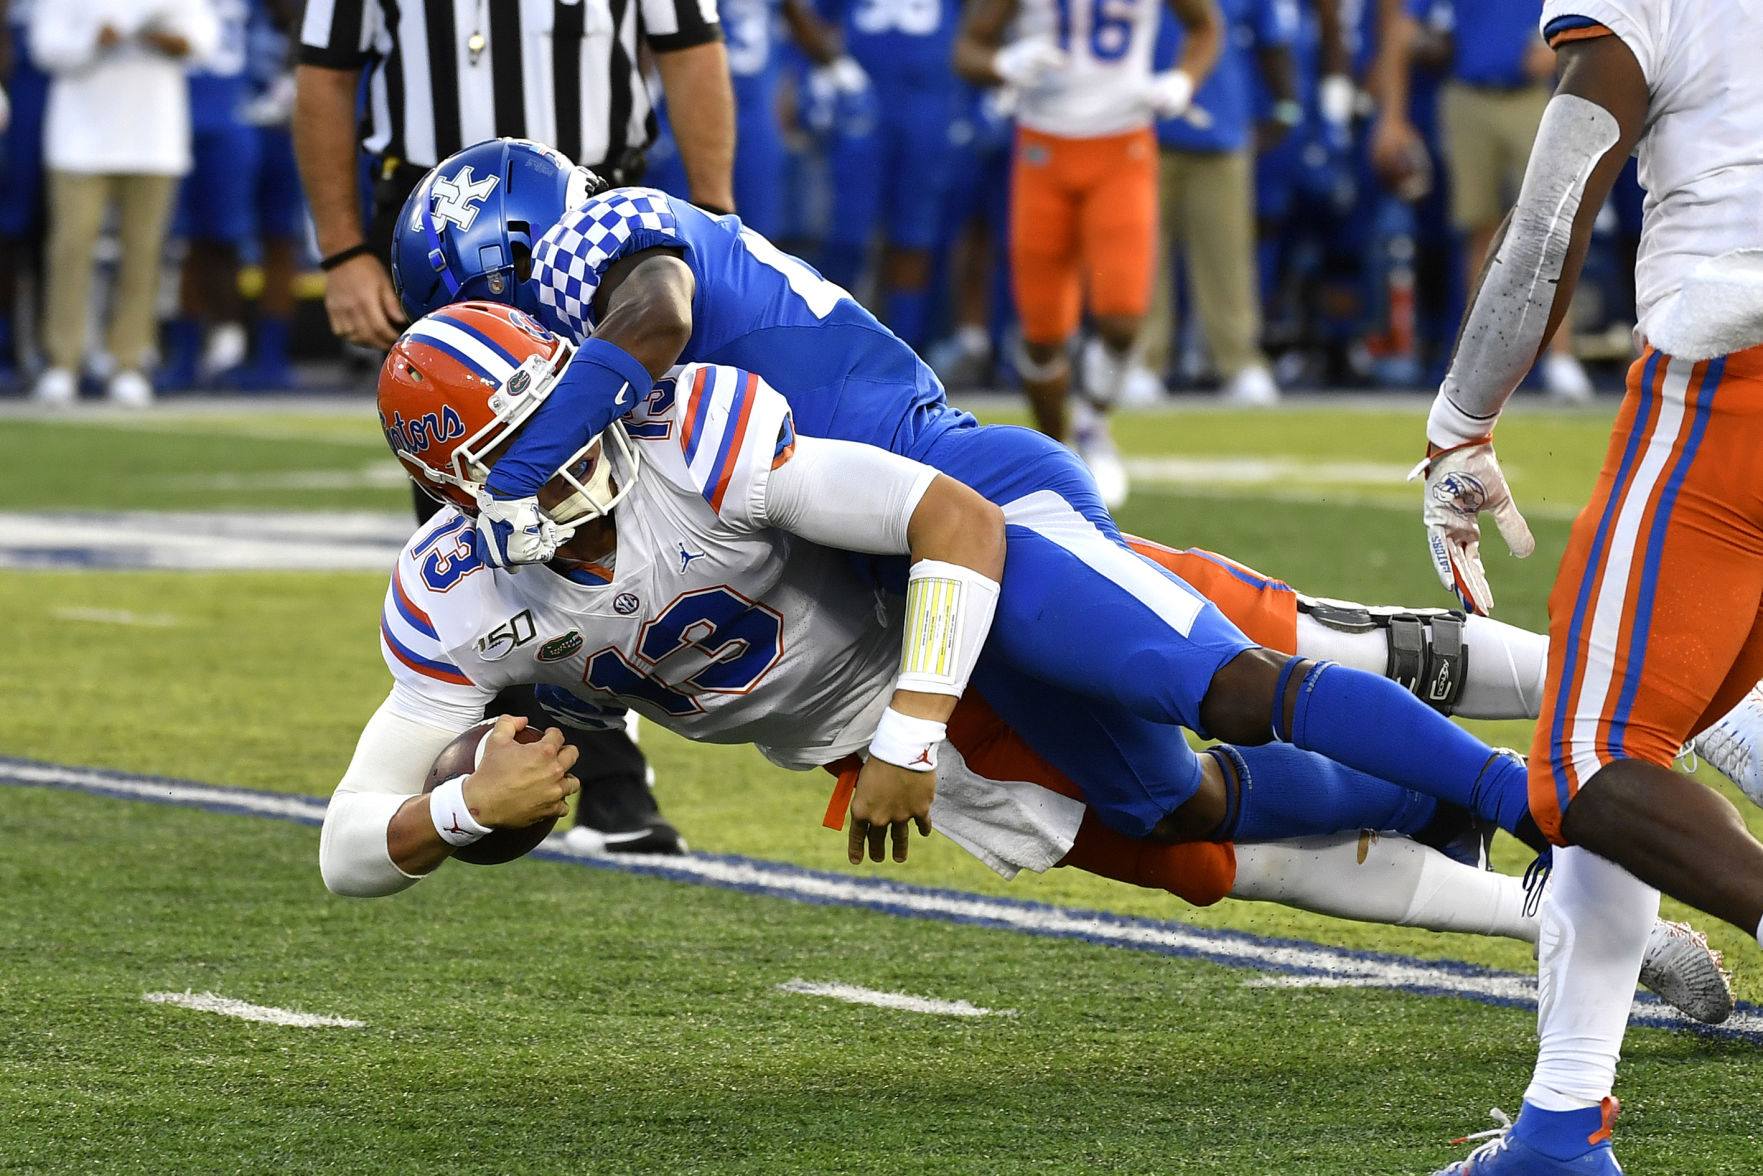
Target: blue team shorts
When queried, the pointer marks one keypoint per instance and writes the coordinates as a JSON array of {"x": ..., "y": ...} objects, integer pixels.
[
  {"x": 1097, "y": 657},
  {"x": 218, "y": 196},
  {"x": 897, "y": 175},
  {"x": 281, "y": 201}
]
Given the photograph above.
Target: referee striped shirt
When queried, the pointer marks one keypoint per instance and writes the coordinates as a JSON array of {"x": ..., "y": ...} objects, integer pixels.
[{"x": 562, "y": 72}]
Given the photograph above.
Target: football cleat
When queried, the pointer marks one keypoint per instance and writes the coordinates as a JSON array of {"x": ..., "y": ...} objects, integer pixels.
[
  {"x": 619, "y": 815},
  {"x": 1504, "y": 1154},
  {"x": 1731, "y": 745},
  {"x": 1687, "y": 974}
]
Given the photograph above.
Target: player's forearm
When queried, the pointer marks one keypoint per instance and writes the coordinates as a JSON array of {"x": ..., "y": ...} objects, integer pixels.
[
  {"x": 955, "y": 525},
  {"x": 1387, "y": 80},
  {"x": 648, "y": 309},
  {"x": 1203, "y": 37},
  {"x": 813, "y": 36},
  {"x": 1527, "y": 285},
  {"x": 982, "y": 32},
  {"x": 366, "y": 848},
  {"x": 325, "y": 148},
  {"x": 701, "y": 100}
]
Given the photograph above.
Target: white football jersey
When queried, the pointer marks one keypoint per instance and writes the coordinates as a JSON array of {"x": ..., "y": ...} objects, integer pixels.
[
  {"x": 1701, "y": 155},
  {"x": 1102, "y": 90},
  {"x": 709, "y": 622}
]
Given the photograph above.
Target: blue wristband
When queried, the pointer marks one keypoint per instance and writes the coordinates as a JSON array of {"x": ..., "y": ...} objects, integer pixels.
[{"x": 601, "y": 384}]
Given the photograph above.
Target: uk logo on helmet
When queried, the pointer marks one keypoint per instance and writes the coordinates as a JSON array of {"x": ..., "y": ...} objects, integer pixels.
[{"x": 457, "y": 198}]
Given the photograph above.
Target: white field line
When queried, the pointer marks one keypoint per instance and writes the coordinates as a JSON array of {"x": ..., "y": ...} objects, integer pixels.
[
  {"x": 226, "y": 1006},
  {"x": 1255, "y": 471},
  {"x": 201, "y": 540},
  {"x": 852, "y": 994},
  {"x": 375, "y": 476},
  {"x": 1288, "y": 963},
  {"x": 115, "y": 616}
]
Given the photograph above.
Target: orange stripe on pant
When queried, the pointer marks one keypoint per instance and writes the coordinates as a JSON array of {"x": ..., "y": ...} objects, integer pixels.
[
  {"x": 1083, "y": 216},
  {"x": 1656, "y": 617},
  {"x": 1199, "y": 872}
]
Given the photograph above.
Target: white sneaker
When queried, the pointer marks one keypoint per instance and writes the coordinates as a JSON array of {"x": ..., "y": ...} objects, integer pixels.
[
  {"x": 1566, "y": 380},
  {"x": 129, "y": 389},
  {"x": 1687, "y": 974},
  {"x": 1253, "y": 387},
  {"x": 226, "y": 348},
  {"x": 1731, "y": 745},
  {"x": 1143, "y": 388},
  {"x": 56, "y": 388}
]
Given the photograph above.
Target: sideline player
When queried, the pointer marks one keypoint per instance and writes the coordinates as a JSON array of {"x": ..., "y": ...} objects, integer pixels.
[
  {"x": 754, "y": 637},
  {"x": 1139, "y": 654},
  {"x": 1654, "y": 621},
  {"x": 1083, "y": 197}
]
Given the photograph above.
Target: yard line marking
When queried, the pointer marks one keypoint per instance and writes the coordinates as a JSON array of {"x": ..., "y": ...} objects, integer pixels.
[
  {"x": 852, "y": 994},
  {"x": 203, "y": 540},
  {"x": 1250, "y": 471},
  {"x": 115, "y": 616},
  {"x": 226, "y": 1006},
  {"x": 1285, "y": 962}
]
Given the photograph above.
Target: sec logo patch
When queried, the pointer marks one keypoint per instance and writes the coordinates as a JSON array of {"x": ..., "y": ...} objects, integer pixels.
[{"x": 624, "y": 604}]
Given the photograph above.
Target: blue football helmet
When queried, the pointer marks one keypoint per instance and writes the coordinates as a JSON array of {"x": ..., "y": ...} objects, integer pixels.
[{"x": 468, "y": 230}]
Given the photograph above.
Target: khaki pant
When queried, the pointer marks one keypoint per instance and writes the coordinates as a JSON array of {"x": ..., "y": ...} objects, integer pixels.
[
  {"x": 77, "y": 203},
  {"x": 1208, "y": 212},
  {"x": 1488, "y": 133}
]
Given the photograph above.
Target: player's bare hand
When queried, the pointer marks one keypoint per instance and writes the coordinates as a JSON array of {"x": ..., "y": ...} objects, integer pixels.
[
  {"x": 361, "y": 303},
  {"x": 1461, "y": 483},
  {"x": 887, "y": 802},
  {"x": 519, "y": 784}
]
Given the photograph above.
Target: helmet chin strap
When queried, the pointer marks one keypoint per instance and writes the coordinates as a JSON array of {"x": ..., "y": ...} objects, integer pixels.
[{"x": 437, "y": 255}]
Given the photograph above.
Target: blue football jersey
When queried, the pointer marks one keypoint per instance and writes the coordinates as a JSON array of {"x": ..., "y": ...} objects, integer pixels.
[
  {"x": 902, "y": 43},
  {"x": 754, "y": 307}
]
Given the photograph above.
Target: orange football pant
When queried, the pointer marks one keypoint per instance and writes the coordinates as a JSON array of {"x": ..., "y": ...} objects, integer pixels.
[
  {"x": 1083, "y": 215},
  {"x": 1655, "y": 628}
]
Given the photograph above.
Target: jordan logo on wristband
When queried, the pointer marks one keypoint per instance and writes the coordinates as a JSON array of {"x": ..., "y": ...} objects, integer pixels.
[
  {"x": 456, "y": 827},
  {"x": 923, "y": 758}
]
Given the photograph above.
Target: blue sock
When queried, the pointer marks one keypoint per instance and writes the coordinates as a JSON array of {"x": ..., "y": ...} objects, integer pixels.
[
  {"x": 7, "y": 340},
  {"x": 1284, "y": 791},
  {"x": 1373, "y": 724},
  {"x": 841, "y": 262},
  {"x": 183, "y": 347},
  {"x": 272, "y": 341},
  {"x": 906, "y": 314},
  {"x": 1560, "y": 1135}
]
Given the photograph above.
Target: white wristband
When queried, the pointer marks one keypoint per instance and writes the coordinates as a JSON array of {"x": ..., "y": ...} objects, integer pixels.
[
  {"x": 907, "y": 742},
  {"x": 948, "y": 614},
  {"x": 453, "y": 821}
]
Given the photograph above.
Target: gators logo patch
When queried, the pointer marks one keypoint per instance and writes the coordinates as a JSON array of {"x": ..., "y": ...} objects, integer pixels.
[{"x": 559, "y": 648}]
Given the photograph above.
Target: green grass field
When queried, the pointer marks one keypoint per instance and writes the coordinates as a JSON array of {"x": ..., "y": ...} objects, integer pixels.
[{"x": 541, "y": 1017}]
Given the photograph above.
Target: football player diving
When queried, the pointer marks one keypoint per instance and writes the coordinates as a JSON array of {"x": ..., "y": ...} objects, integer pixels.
[
  {"x": 702, "y": 577},
  {"x": 1114, "y": 648}
]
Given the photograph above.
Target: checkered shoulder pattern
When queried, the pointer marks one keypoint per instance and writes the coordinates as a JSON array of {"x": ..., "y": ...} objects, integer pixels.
[{"x": 569, "y": 259}]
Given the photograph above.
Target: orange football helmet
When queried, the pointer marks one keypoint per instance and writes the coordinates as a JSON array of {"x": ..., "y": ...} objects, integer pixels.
[{"x": 460, "y": 382}]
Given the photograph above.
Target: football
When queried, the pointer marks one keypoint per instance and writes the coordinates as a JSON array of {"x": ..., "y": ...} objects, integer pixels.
[{"x": 499, "y": 845}]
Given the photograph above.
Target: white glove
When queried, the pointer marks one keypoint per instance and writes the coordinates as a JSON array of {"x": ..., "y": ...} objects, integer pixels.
[
  {"x": 515, "y": 531},
  {"x": 1461, "y": 482},
  {"x": 1170, "y": 93},
  {"x": 844, "y": 75},
  {"x": 1336, "y": 96},
  {"x": 1026, "y": 63},
  {"x": 5, "y": 111}
]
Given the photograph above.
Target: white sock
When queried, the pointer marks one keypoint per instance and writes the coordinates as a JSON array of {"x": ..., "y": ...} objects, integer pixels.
[
  {"x": 1105, "y": 371},
  {"x": 1507, "y": 665},
  {"x": 1382, "y": 878},
  {"x": 1595, "y": 922}
]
